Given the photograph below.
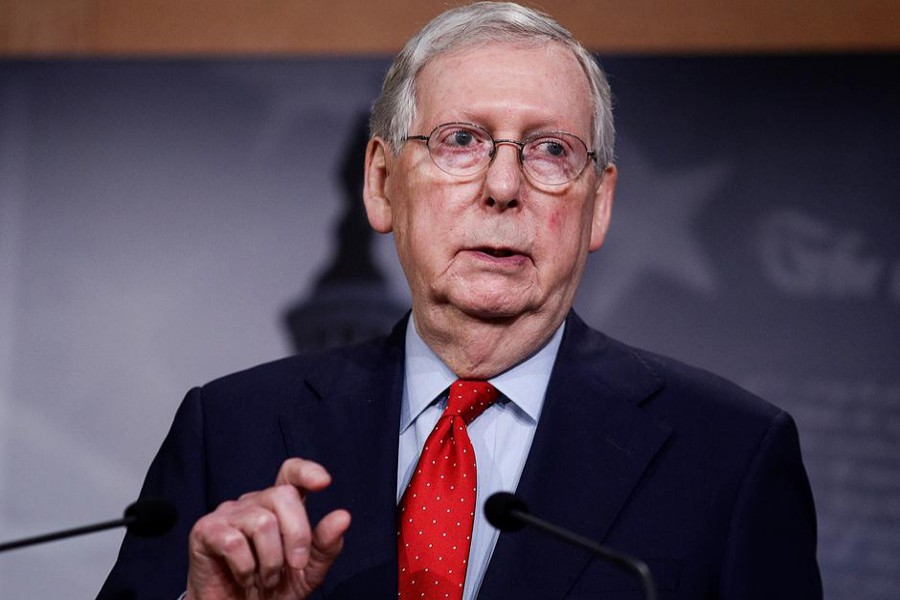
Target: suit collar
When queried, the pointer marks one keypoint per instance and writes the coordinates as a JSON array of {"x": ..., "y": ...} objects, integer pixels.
[
  {"x": 592, "y": 446},
  {"x": 427, "y": 377}
]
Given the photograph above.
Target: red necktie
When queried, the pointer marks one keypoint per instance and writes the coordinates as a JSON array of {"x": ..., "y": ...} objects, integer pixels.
[{"x": 438, "y": 507}]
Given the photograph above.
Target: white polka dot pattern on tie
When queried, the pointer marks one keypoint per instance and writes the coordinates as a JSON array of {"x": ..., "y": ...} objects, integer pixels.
[{"x": 437, "y": 510}]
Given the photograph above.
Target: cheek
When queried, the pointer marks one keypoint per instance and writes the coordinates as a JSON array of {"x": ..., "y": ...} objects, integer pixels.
[
  {"x": 440, "y": 210},
  {"x": 428, "y": 221},
  {"x": 556, "y": 217},
  {"x": 563, "y": 232},
  {"x": 563, "y": 223}
]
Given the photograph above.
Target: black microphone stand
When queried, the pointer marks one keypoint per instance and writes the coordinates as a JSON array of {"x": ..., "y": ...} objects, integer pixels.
[
  {"x": 144, "y": 518},
  {"x": 508, "y": 512},
  {"x": 626, "y": 561},
  {"x": 58, "y": 535}
]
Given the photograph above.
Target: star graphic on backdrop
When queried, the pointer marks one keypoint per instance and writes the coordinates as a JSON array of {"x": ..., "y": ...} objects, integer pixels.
[{"x": 651, "y": 232}]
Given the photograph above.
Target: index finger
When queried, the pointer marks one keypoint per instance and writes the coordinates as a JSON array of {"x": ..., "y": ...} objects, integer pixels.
[{"x": 305, "y": 475}]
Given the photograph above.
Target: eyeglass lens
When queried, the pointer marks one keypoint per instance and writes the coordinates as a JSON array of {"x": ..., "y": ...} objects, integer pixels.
[{"x": 550, "y": 158}]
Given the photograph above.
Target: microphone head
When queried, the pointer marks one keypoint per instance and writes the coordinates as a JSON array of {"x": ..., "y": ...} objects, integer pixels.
[
  {"x": 150, "y": 518},
  {"x": 501, "y": 508}
]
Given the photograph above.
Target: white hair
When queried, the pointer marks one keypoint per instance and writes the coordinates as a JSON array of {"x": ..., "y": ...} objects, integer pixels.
[{"x": 464, "y": 27}]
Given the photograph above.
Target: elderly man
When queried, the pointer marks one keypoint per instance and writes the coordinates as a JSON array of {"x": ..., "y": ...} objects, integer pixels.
[{"x": 490, "y": 161}]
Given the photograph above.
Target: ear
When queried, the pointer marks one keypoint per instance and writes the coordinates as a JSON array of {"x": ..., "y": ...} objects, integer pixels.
[
  {"x": 375, "y": 185},
  {"x": 603, "y": 201}
]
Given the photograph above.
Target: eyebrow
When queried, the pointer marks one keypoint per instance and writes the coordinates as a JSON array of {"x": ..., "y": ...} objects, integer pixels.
[{"x": 530, "y": 131}]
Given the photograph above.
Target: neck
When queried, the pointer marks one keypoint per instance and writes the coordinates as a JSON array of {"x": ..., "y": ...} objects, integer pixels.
[{"x": 476, "y": 348}]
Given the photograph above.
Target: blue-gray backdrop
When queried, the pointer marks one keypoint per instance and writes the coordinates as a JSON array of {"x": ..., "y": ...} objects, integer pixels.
[{"x": 162, "y": 223}]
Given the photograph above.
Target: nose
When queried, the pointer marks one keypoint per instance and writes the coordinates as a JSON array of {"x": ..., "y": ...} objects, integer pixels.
[{"x": 503, "y": 182}]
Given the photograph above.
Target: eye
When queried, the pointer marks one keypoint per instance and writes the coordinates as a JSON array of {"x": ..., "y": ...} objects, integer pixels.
[
  {"x": 458, "y": 137},
  {"x": 459, "y": 149},
  {"x": 554, "y": 148},
  {"x": 550, "y": 148},
  {"x": 462, "y": 138}
]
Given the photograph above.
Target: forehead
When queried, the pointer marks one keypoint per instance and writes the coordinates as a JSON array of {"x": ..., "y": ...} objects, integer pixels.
[{"x": 506, "y": 86}]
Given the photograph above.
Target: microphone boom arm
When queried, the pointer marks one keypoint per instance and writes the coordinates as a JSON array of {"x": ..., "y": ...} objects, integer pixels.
[
  {"x": 626, "y": 561},
  {"x": 145, "y": 518},
  {"x": 59, "y": 535}
]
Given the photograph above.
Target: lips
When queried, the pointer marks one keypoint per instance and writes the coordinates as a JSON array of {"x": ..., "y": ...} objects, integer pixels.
[{"x": 498, "y": 252}]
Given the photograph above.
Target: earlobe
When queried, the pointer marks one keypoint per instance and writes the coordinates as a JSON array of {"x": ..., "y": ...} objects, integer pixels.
[
  {"x": 375, "y": 185},
  {"x": 603, "y": 201}
]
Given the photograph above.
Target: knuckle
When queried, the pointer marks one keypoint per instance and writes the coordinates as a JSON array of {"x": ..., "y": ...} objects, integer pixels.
[
  {"x": 225, "y": 507},
  {"x": 232, "y": 541},
  {"x": 265, "y": 522},
  {"x": 205, "y": 525}
]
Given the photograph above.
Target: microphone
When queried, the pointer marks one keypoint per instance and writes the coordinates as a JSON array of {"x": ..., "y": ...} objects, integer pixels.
[
  {"x": 144, "y": 518},
  {"x": 508, "y": 512}
]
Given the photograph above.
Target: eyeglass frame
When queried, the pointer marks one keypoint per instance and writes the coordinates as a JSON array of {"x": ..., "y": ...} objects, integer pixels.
[{"x": 591, "y": 155}]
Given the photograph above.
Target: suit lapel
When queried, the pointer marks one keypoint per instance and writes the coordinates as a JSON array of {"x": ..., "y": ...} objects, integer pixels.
[
  {"x": 351, "y": 427},
  {"x": 591, "y": 447}
]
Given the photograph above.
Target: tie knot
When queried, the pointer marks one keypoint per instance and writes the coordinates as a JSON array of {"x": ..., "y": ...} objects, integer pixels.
[{"x": 470, "y": 397}]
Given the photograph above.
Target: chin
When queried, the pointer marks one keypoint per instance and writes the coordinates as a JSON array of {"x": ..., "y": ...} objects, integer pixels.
[{"x": 491, "y": 308}]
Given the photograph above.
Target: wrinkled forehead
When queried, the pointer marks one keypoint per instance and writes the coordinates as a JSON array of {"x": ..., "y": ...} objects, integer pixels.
[{"x": 534, "y": 75}]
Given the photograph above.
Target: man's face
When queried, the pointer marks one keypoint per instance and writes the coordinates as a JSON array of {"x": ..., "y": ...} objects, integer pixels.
[{"x": 494, "y": 245}]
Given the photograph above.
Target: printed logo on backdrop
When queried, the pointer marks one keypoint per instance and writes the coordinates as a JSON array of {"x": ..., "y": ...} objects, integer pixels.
[{"x": 806, "y": 256}]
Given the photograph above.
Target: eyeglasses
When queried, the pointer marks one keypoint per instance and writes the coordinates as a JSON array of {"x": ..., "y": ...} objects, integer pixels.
[{"x": 550, "y": 158}]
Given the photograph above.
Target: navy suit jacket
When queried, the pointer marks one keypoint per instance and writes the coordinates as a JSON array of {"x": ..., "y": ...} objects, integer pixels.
[{"x": 699, "y": 478}]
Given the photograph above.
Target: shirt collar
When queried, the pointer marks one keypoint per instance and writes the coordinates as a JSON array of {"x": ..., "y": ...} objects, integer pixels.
[{"x": 426, "y": 377}]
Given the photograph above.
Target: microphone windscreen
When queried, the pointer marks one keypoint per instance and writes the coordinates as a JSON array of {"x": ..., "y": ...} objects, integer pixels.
[
  {"x": 500, "y": 508},
  {"x": 150, "y": 518}
]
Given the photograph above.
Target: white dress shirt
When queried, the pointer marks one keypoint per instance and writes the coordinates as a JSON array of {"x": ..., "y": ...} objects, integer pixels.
[{"x": 501, "y": 436}]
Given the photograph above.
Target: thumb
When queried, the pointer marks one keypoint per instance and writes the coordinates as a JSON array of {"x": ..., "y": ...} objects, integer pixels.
[{"x": 327, "y": 542}]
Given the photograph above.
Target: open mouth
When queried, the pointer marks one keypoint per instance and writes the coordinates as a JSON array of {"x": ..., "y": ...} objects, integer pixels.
[{"x": 498, "y": 252}]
